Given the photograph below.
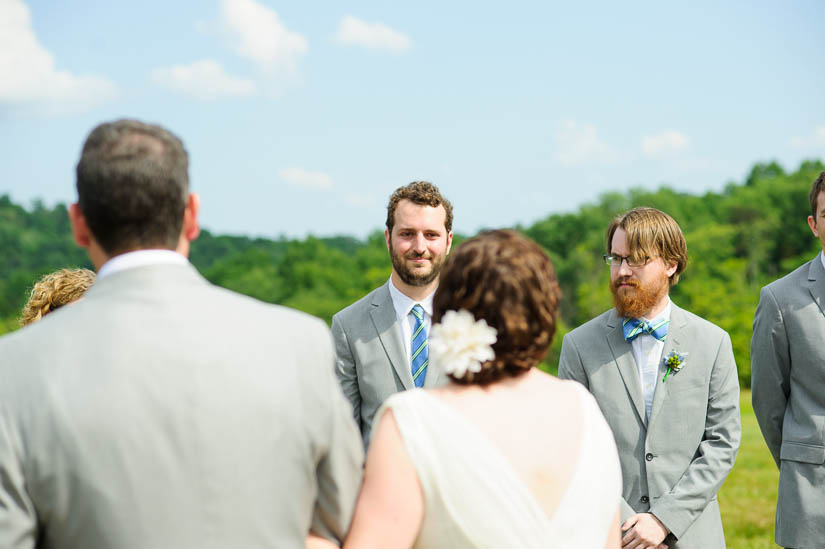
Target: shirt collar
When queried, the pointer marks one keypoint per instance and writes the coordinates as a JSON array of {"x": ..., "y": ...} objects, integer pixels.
[
  {"x": 403, "y": 303},
  {"x": 822, "y": 257},
  {"x": 140, "y": 258},
  {"x": 665, "y": 314}
]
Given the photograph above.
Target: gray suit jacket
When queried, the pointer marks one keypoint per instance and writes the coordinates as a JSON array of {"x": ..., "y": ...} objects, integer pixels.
[
  {"x": 371, "y": 361},
  {"x": 673, "y": 465},
  {"x": 161, "y": 411},
  {"x": 788, "y": 381}
]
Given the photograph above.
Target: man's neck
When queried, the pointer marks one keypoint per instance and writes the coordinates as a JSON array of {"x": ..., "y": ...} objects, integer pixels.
[
  {"x": 99, "y": 257},
  {"x": 416, "y": 293},
  {"x": 658, "y": 309}
]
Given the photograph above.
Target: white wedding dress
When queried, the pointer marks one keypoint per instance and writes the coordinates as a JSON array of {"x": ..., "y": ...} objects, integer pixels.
[{"x": 474, "y": 498}]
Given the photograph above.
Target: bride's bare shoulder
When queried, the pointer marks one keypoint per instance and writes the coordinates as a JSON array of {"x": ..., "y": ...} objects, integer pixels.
[{"x": 544, "y": 382}]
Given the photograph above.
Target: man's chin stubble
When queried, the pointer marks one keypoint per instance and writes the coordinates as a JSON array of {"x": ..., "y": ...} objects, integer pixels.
[{"x": 419, "y": 280}]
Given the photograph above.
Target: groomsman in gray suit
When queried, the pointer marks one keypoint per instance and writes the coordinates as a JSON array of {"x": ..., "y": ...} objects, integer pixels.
[
  {"x": 381, "y": 339},
  {"x": 788, "y": 381},
  {"x": 667, "y": 384},
  {"x": 159, "y": 410}
]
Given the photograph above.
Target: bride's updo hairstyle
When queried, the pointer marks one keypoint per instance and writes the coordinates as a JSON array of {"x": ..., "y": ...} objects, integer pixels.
[{"x": 507, "y": 280}]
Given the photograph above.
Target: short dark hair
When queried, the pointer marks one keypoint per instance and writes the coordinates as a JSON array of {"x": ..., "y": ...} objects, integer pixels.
[
  {"x": 506, "y": 279},
  {"x": 651, "y": 233},
  {"x": 422, "y": 193},
  {"x": 132, "y": 186},
  {"x": 816, "y": 188}
]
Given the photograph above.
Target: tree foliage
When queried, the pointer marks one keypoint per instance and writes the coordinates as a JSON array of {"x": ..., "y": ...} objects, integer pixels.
[{"x": 738, "y": 240}]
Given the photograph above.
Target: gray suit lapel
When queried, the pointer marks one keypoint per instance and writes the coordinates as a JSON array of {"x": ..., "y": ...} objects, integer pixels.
[
  {"x": 674, "y": 341},
  {"x": 623, "y": 354},
  {"x": 816, "y": 282},
  {"x": 386, "y": 324}
]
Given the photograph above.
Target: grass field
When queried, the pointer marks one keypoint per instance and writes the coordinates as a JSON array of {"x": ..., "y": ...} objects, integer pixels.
[{"x": 748, "y": 497}]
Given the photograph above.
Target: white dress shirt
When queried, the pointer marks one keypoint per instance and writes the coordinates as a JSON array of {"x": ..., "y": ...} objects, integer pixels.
[
  {"x": 822, "y": 257},
  {"x": 140, "y": 258},
  {"x": 647, "y": 350},
  {"x": 403, "y": 304}
]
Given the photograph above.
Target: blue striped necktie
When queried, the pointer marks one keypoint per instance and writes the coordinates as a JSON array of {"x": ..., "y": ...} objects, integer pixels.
[
  {"x": 634, "y": 327},
  {"x": 419, "y": 348}
]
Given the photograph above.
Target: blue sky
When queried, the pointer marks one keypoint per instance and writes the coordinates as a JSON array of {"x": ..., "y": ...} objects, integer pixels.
[{"x": 302, "y": 117}]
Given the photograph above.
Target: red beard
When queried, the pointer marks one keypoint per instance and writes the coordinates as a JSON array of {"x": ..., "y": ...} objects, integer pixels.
[{"x": 636, "y": 300}]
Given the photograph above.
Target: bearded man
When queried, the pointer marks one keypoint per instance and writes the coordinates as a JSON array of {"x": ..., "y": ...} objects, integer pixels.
[
  {"x": 381, "y": 339},
  {"x": 667, "y": 384}
]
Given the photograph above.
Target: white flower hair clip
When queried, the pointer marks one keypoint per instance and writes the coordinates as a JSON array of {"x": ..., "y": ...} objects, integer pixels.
[{"x": 460, "y": 343}]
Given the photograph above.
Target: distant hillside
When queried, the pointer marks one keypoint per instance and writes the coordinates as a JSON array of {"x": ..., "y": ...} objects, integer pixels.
[{"x": 738, "y": 240}]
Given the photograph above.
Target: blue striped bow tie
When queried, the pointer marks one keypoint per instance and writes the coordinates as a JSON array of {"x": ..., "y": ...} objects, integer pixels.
[{"x": 634, "y": 327}]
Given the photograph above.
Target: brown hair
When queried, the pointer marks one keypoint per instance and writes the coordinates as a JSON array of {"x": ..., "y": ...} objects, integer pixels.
[
  {"x": 507, "y": 280},
  {"x": 53, "y": 291},
  {"x": 816, "y": 188},
  {"x": 132, "y": 186},
  {"x": 652, "y": 233},
  {"x": 422, "y": 193}
]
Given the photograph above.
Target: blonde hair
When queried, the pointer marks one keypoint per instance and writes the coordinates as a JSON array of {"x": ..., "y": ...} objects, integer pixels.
[
  {"x": 53, "y": 291},
  {"x": 652, "y": 233}
]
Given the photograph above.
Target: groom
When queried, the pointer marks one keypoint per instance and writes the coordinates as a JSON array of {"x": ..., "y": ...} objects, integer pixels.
[
  {"x": 667, "y": 384},
  {"x": 159, "y": 410}
]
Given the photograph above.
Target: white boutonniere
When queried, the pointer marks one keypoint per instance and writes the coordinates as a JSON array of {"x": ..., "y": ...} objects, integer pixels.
[
  {"x": 461, "y": 344},
  {"x": 674, "y": 361}
]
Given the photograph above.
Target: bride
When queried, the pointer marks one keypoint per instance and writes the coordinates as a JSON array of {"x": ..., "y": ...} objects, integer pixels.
[{"x": 505, "y": 455}]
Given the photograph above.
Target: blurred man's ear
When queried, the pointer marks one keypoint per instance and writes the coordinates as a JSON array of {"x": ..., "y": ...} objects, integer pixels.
[
  {"x": 84, "y": 238},
  {"x": 80, "y": 229},
  {"x": 191, "y": 228}
]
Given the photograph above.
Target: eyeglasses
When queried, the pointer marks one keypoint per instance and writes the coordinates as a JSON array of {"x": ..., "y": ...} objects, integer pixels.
[{"x": 615, "y": 260}]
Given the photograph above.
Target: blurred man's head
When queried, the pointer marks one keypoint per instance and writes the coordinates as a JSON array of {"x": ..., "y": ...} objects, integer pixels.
[{"x": 133, "y": 189}]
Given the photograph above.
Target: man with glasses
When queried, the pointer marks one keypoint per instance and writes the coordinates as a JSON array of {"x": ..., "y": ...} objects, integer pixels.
[{"x": 667, "y": 384}]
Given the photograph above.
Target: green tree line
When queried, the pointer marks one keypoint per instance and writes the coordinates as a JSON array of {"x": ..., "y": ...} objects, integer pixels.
[{"x": 738, "y": 239}]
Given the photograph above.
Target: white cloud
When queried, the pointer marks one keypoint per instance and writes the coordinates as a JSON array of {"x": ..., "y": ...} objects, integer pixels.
[
  {"x": 373, "y": 35},
  {"x": 303, "y": 178},
  {"x": 258, "y": 34},
  {"x": 816, "y": 140},
  {"x": 577, "y": 143},
  {"x": 203, "y": 80},
  {"x": 364, "y": 200},
  {"x": 28, "y": 75},
  {"x": 665, "y": 142}
]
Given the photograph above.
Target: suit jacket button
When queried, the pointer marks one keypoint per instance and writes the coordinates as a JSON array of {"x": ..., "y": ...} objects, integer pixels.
[
  {"x": 649, "y": 457},
  {"x": 645, "y": 499}
]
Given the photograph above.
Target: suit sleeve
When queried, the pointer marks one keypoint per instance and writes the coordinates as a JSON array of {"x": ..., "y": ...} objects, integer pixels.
[
  {"x": 770, "y": 370},
  {"x": 713, "y": 460},
  {"x": 571, "y": 367},
  {"x": 345, "y": 369},
  {"x": 18, "y": 521},
  {"x": 570, "y": 362},
  {"x": 340, "y": 467}
]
